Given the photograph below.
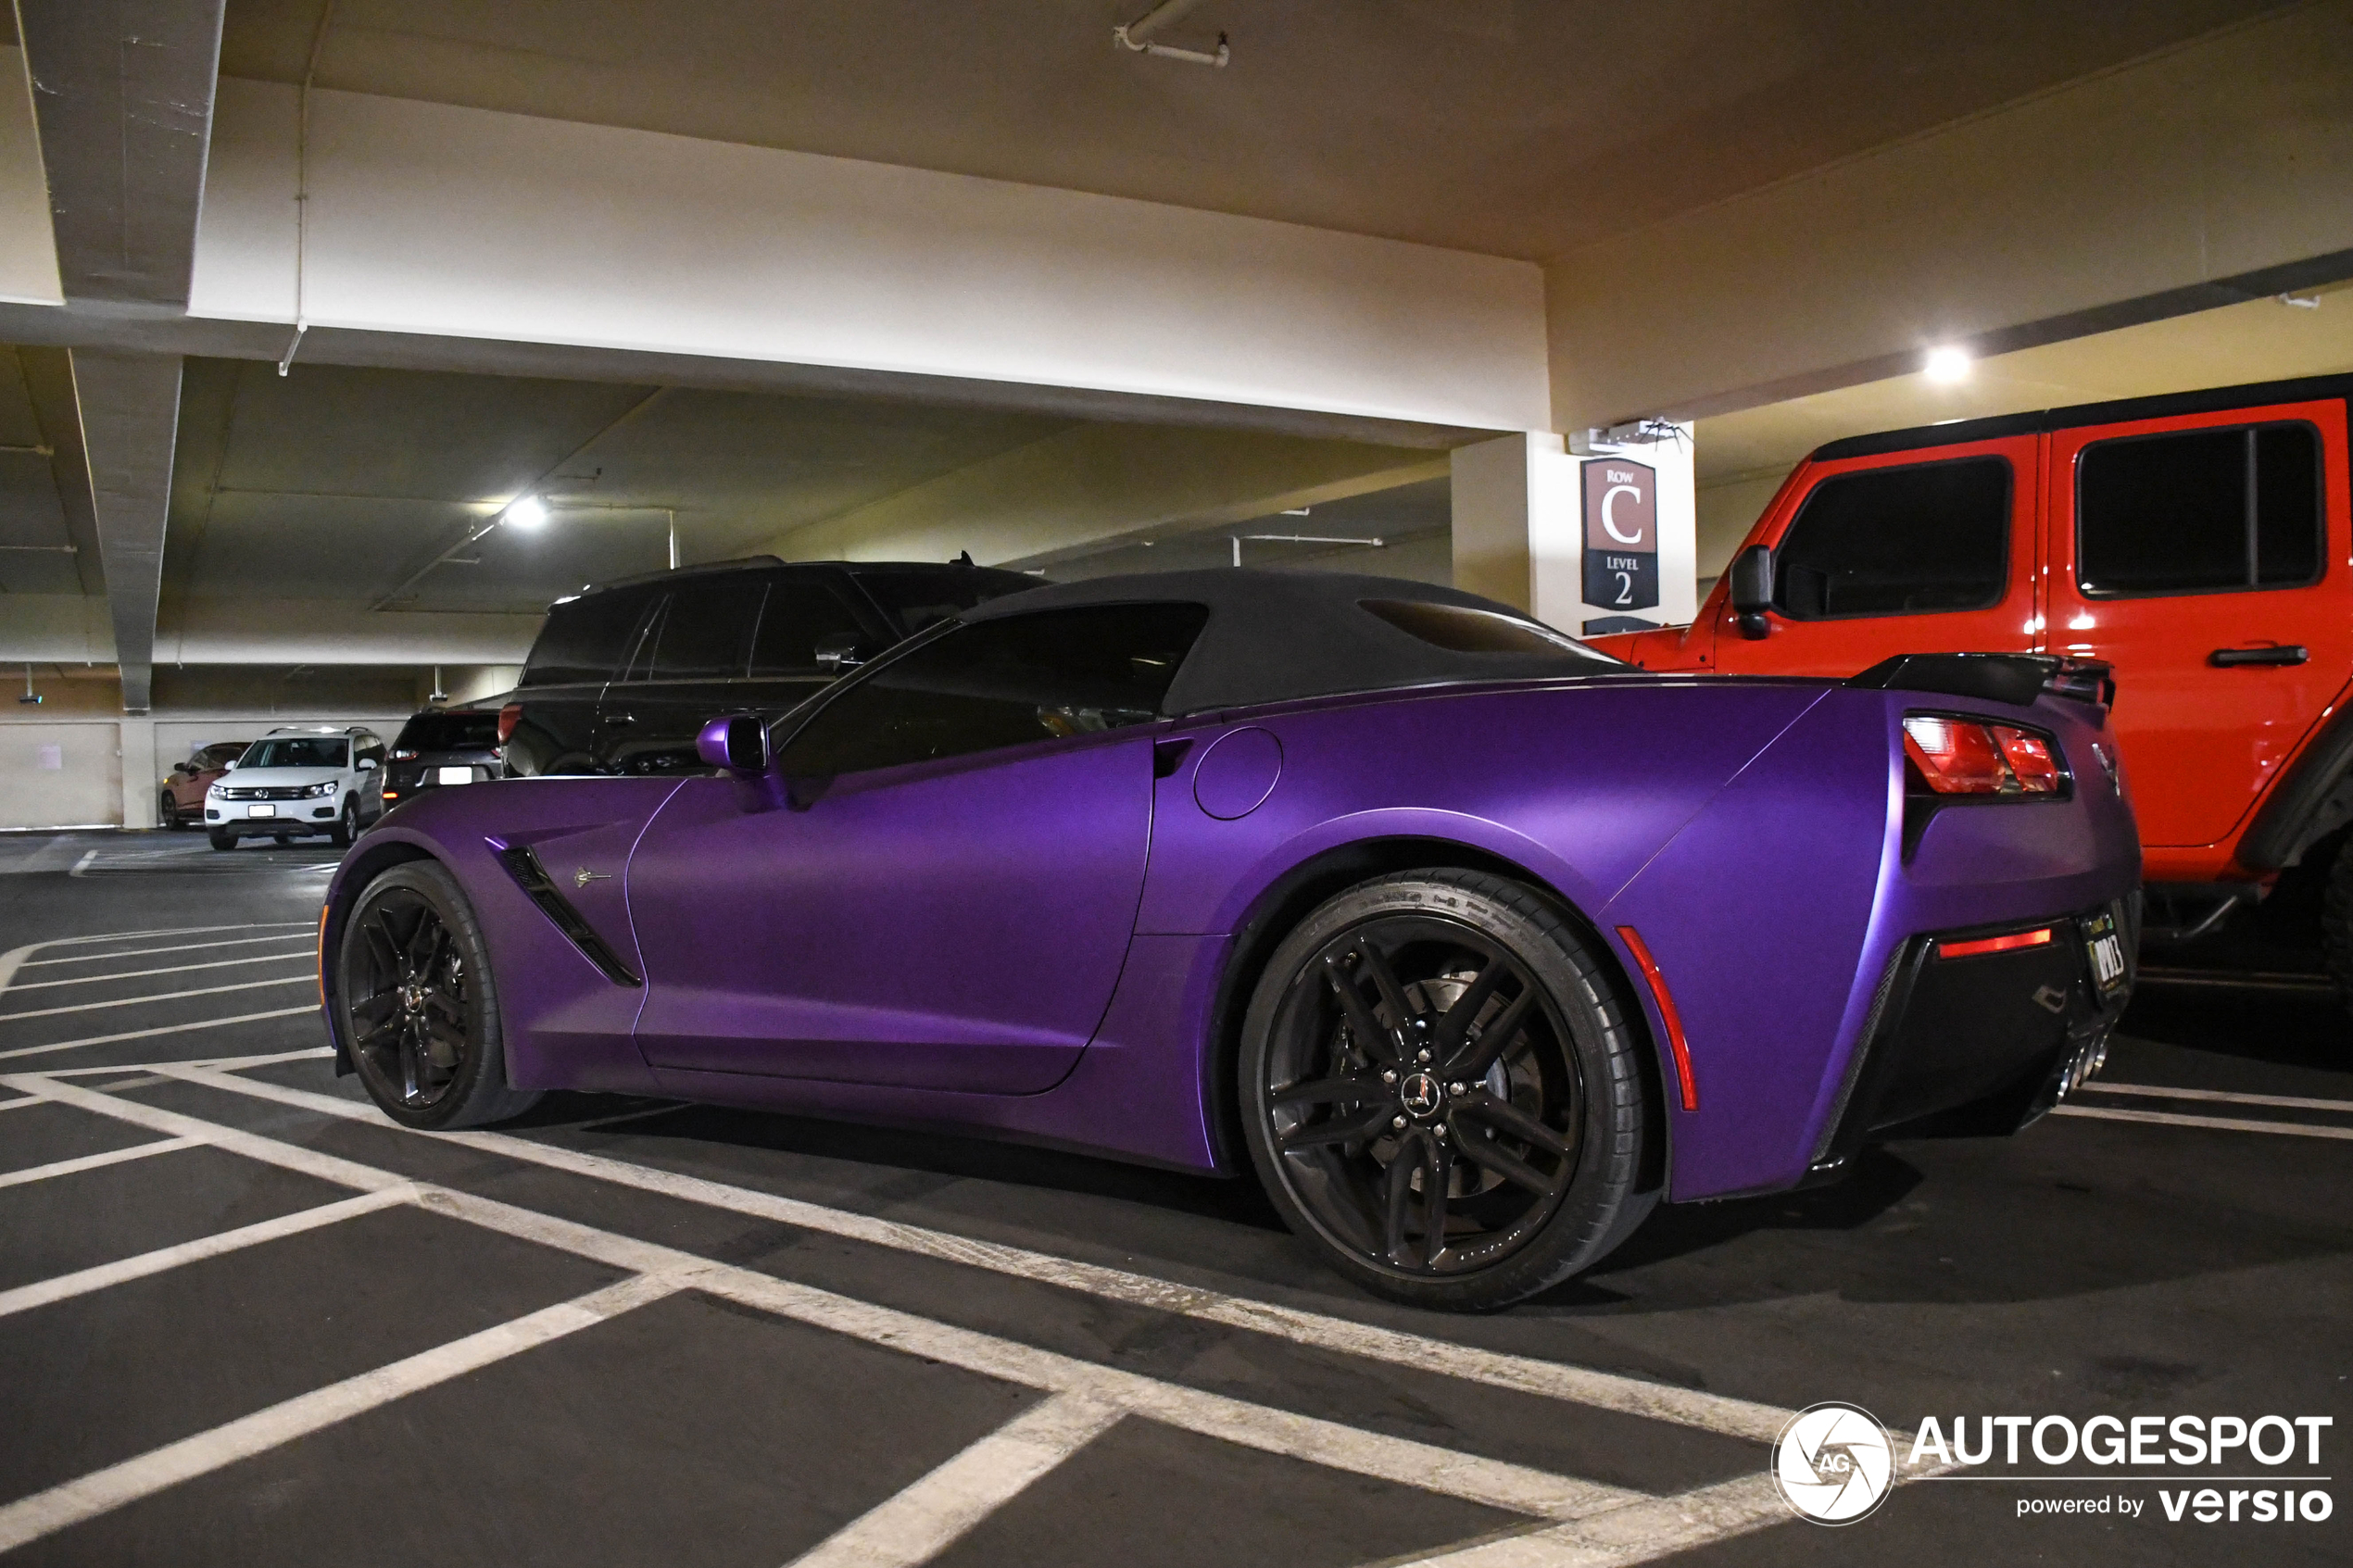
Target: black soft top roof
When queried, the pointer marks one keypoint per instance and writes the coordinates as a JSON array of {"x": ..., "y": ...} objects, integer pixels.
[
  {"x": 2306, "y": 389},
  {"x": 1276, "y": 635}
]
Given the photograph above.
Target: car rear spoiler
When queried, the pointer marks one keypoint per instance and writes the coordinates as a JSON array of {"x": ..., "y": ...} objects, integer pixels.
[{"x": 2014, "y": 678}]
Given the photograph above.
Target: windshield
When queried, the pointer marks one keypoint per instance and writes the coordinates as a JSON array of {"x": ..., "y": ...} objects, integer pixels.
[
  {"x": 449, "y": 732},
  {"x": 295, "y": 752}
]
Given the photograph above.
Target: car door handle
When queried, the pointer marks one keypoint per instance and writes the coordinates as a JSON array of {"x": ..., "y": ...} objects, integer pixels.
[
  {"x": 621, "y": 718},
  {"x": 2294, "y": 653}
]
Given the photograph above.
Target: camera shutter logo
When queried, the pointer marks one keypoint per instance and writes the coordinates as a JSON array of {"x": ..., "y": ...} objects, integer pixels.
[{"x": 1833, "y": 1464}]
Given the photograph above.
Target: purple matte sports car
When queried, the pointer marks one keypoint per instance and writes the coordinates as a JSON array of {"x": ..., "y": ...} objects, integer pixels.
[{"x": 1472, "y": 943}]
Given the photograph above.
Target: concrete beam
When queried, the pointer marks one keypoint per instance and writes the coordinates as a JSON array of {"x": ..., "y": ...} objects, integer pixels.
[
  {"x": 1099, "y": 486},
  {"x": 129, "y": 406},
  {"x": 122, "y": 91},
  {"x": 2203, "y": 176}
]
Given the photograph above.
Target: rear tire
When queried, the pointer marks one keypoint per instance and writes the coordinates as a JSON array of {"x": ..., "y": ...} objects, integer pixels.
[
  {"x": 1502, "y": 1074},
  {"x": 346, "y": 826},
  {"x": 418, "y": 1006},
  {"x": 222, "y": 838},
  {"x": 167, "y": 813}
]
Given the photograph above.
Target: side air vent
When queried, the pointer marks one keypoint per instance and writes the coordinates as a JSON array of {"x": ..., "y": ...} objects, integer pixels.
[{"x": 522, "y": 864}]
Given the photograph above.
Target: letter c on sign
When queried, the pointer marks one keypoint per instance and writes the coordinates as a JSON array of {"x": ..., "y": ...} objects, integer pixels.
[{"x": 1609, "y": 517}]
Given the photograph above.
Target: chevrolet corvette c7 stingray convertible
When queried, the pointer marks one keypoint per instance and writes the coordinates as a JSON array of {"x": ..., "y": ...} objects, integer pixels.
[{"x": 1472, "y": 944}]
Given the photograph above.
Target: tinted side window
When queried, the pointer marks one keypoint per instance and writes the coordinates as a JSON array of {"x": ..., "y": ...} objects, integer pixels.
[
  {"x": 801, "y": 613},
  {"x": 2199, "y": 511},
  {"x": 1901, "y": 541},
  {"x": 919, "y": 597},
  {"x": 1002, "y": 683},
  {"x": 706, "y": 634},
  {"x": 584, "y": 640},
  {"x": 371, "y": 748}
]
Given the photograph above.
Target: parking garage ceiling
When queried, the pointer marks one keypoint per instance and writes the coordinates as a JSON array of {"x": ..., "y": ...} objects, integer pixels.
[{"x": 1521, "y": 128}]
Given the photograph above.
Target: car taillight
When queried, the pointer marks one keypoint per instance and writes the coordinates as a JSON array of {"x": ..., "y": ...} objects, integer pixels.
[
  {"x": 404, "y": 757},
  {"x": 1973, "y": 757},
  {"x": 507, "y": 716}
]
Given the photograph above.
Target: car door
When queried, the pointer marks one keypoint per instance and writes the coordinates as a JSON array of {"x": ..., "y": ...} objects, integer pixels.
[
  {"x": 2203, "y": 557},
  {"x": 689, "y": 665},
  {"x": 941, "y": 897},
  {"x": 368, "y": 761},
  {"x": 586, "y": 641},
  {"x": 1913, "y": 552}
]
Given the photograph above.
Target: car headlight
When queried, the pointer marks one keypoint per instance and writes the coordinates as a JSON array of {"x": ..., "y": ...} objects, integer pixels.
[{"x": 318, "y": 791}]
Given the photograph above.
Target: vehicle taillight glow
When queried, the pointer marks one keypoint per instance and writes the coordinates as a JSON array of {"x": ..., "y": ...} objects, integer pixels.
[
  {"x": 507, "y": 716},
  {"x": 1994, "y": 944},
  {"x": 1971, "y": 756},
  {"x": 404, "y": 757}
]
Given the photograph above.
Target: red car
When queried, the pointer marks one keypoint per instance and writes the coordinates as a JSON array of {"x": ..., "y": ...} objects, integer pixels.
[
  {"x": 182, "y": 803},
  {"x": 2199, "y": 542}
]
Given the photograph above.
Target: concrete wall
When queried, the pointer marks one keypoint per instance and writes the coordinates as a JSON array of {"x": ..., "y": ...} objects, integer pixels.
[
  {"x": 2223, "y": 158},
  {"x": 27, "y": 255},
  {"x": 456, "y": 222}
]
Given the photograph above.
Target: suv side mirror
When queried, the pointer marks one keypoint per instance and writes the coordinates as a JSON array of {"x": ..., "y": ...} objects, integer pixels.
[
  {"x": 737, "y": 742},
  {"x": 840, "y": 653},
  {"x": 230, "y": 766},
  {"x": 367, "y": 764},
  {"x": 1753, "y": 588}
]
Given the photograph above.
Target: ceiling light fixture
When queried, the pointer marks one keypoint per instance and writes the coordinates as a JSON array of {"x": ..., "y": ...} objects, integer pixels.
[
  {"x": 528, "y": 512},
  {"x": 1947, "y": 364},
  {"x": 1137, "y": 36}
]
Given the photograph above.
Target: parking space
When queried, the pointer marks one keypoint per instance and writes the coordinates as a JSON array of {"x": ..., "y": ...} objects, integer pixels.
[{"x": 249, "y": 1320}]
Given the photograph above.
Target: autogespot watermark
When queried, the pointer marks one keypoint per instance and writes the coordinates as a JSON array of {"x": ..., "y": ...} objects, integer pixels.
[{"x": 1834, "y": 1463}]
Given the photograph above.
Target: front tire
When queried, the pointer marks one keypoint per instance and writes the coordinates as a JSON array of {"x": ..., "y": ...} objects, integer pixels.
[
  {"x": 167, "y": 813},
  {"x": 346, "y": 826},
  {"x": 1446, "y": 1035},
  {"x": 220, "y": 838},
  {"x": 418, "y": 1006}
]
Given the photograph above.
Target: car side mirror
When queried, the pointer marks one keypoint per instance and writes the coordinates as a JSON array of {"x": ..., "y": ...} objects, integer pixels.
[
  {"x": 367, "y": 764},
  {"x": 230, "y": 766},
  {"x": 737, "y": 742},
  {"x": 840, "y": 653},
  {"x": 1753, "y": 589}
]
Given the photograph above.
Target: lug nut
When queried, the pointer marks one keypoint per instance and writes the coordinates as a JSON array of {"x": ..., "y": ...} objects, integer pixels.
[
  {"x": 1397, "y": 1121},
  {"x": 1458, "y": 1089},
  {"x": 1437, "y": 1132},
  {"x": 1387, "y": 1077},
  {"x": 1424, "y": 1057}
]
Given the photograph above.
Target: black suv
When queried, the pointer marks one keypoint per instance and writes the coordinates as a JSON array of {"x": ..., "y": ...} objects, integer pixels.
[
  {"x": 441, "y": 747},
  {"x": 622, "y": 675}
]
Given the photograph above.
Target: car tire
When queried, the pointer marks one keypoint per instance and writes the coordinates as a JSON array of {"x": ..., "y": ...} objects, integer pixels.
[
  {"x": 167, "y": 813},
  {"x": 416, "y": 1005},
  {"x": 2336, "y": 921},
  {"x": 346, "y": 826},
  {"x": 222, "y": 838},
  {"x": 1536, "y": 1134}
]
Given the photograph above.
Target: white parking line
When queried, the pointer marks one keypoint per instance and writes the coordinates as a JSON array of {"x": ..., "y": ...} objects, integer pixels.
[
  {"x": 2224, "y": 1123},
  {"x": 95, "y": 1162},
  {"x": 942, "y": 1509},
  {"x": 159, "y": 997},
  {"x": 151, "y": 952},
  {"x": 73, "y": 1501},
  {"x": 304, "y": 957},
  {"x": 1643, "y": 1532},
  {"x": 97, "y": 1277},
  {"x": 1490, "y": 1481},
  {"x": 149, "y": 1034},
  {"x": 17, "y": 958},
  {"x": 2221, "y": 1097},
  {"x": 19, "y": 1104},
  {"x": 1631, "y": 1396}
]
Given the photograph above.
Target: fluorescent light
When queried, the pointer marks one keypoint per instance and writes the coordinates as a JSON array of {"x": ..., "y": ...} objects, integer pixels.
[
  {"x": 1947, "y": 364},
  {"x": 528, "y": 512}
]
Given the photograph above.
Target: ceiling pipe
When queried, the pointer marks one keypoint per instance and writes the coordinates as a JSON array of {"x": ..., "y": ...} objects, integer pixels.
[{"x": 1137, "y": 36}]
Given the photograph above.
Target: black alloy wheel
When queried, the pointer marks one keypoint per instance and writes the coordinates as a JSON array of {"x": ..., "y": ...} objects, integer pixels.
[
  {"x": 416, "y": 1007},
  {"x": 1438, "y": 1088}
]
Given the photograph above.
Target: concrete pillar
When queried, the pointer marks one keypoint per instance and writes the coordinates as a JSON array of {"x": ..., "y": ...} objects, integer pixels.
[
  {"x": 1516, "y": 524},
  {"x": 140, "y": 777}
]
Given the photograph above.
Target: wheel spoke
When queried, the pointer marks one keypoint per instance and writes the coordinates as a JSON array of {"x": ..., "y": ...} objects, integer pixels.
[
  {"x": 384, "y": 1034},
  {"x": 1478, "y": 1150},
  {"x": 1454, "y": 1025},
  {"x": 1330, "y": 1091},
  {"x": 1503, "y": 1113},
  {"x": 1393, "y": 995},
  {"x": 409, "y": 1063},
  {"x": 1475, "y": 1059},
  {"x": 374, "y": 1010},
  {"x": 1337, "y": 1130},
  {"x": 1437, "y": 1173},
  {"x": 421, "y": 939},
  {"x": 1371, "y": 1039},
  {"x": 1398, "y": 1199},
  {"x": 445, "y": 1046},
  {"x": 383, "y": 942}
]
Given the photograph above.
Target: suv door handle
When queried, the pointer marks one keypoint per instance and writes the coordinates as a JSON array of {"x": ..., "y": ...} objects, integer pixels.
[
  {"x": 2294, "y": 653},
  {"x": 621, "y": 718}
]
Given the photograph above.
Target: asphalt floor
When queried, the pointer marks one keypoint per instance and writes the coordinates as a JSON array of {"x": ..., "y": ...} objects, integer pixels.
[{"x": 246, "y": 1320}]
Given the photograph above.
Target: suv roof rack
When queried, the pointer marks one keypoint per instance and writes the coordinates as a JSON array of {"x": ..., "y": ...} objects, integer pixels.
[{"x": 2167, "y": 405}]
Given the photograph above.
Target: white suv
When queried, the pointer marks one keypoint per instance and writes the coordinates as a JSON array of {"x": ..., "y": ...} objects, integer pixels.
[{"x": 305, "y": 779}]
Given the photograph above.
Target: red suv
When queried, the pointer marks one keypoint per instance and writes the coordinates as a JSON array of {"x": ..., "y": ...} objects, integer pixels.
[{"x": 2199, "y": 542}]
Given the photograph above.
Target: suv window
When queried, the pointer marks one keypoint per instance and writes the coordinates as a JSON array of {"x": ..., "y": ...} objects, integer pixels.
[
  {"x": 1899, "y": 541},
  {"x": 295, "y": 752},
  {"x": 585, "y": 640},
  {"x": 2199, "y": 511},
  {"x": 371, "y": 748},
  {"x": 801, "y": 613},
  {"x": 1002, "y": 683},
  {"x": 450, "y": 730},
  {"x": 220, "y": 756},
  {"x": 706, "y": 631},
  {"x": 924, "y": 596}
]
